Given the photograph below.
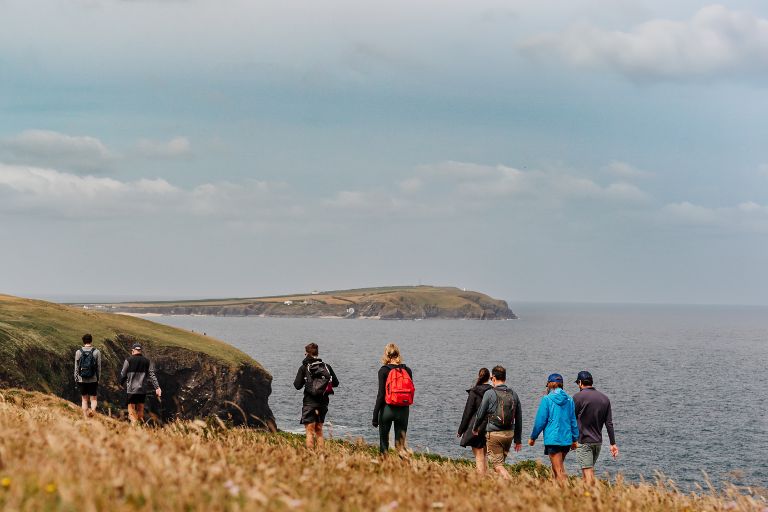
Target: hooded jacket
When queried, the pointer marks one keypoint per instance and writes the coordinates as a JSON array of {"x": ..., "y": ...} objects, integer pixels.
[
  {"x": 557, "y": 418},
  {"x": 474, "y": 398},
  {"x": 301, "y": 380}
]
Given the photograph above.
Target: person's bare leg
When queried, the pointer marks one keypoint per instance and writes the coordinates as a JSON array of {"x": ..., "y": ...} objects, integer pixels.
[
  {"x": 132, "y": 414},
  {"x": 589, "y": 475},
  {"x": 502, "y": 472},
  {"x": 481, "y": 460},
  {"x": 319, "y": 440},
  {"x": 85, "y": 406},
  {"x": 140, "y": 413},
  {"x": 558, "y": 469},
  {"x": 310, "y": 437},
  {"x": 93, "y": 406}
]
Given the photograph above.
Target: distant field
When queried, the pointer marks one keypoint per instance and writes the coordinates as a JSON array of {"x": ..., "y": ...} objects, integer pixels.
[{"x": 330, "y": 296}]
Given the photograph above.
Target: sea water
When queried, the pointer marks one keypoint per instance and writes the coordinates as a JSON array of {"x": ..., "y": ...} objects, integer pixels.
[{"x": 686, "y": 382}]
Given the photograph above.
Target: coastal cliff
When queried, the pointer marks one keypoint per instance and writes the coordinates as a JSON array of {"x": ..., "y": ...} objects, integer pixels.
[
  {"x": 200, "y": 376},
  {"x": 391, "y": 303}
]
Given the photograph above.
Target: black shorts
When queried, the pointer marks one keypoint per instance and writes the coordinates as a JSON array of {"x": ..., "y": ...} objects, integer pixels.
[
  {"x": 137, "y": 399},
  {"x": 88, "y": 388},
  {"x": 551, "y": 449},
  {"x": 312, "y": 414}
]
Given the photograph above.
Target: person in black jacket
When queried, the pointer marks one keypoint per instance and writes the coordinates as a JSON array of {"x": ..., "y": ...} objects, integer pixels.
[
  {"x": 476, "y": 442},
  {"x": 314, "y": 407},
  {"x": 384, "y": 414}
]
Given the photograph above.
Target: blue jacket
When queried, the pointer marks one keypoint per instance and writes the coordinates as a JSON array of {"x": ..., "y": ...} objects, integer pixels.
[{"x": 557, "y": 418}]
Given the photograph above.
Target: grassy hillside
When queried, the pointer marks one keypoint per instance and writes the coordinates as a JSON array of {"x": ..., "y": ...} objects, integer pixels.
[
  {"x": 200, "y": 375},
  {"x": 33, "y": 323},
  {"x": 406, "y": 302},
  {"x": 51, "y": 459}
]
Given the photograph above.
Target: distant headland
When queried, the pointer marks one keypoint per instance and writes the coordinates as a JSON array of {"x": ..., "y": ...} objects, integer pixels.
[{"x": 385, "y": 303}]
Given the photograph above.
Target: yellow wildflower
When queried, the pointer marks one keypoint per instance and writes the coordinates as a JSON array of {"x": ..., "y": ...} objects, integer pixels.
[
  {"x": 50, "y": 488},
  {"x": 5, "y": 482}
]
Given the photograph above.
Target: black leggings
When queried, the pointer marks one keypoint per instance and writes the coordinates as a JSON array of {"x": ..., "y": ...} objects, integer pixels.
[{"x": 392, "y": 414}]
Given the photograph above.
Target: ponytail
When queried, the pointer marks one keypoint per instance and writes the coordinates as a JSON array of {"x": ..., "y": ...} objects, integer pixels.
[{"x": 482, "y": 376}]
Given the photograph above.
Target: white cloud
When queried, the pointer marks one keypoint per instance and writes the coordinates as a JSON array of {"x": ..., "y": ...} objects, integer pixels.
[
  {"x": 411, "y": 185},
  {"x": 486, "y": 182},
  {"x": 54, "y": 148},
  {"x": 625, "y": 170},
  {"x": 175, "y": 147},
  {"x": 48, "y": 192},
  {"x": 746, "y": 216},
  {"x": 715, "y": 42}
]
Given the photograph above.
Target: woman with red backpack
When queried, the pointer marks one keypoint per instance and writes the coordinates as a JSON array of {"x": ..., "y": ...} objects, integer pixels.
[{"x": 394, "y": 398}]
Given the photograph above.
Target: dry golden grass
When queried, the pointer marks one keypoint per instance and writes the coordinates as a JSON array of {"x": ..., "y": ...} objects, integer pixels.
[{"x": 52, "y": 459}]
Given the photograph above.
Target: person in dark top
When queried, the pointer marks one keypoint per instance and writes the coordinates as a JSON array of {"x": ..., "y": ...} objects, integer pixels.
[
  {"x": 314, "y": 407},
  {"x": 137, "y": 372},
  {"x": 593, "y": 410},
  {"x": 87, "y": 379},
  {"x": 477, "y": 443},
  {"x": 384, "y": 414},
  {"x": 501, "y": 414}
]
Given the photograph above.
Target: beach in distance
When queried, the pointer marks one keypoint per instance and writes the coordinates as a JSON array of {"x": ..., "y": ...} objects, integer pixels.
[{"x": 677, "y": 376}]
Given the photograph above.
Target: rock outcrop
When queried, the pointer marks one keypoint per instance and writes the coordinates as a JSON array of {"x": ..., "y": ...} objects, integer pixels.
[{"x": 403, "y": 303}]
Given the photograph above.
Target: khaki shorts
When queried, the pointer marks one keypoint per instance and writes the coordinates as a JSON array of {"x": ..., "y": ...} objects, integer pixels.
[
  {"x": 498, "y": 444},
  {"x": 587, "y": 454}
]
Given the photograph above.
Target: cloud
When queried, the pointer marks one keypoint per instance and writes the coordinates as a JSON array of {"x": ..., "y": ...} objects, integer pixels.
[
  {"x": 80, "y": 152},
  {"x": 625, "y": 170},
  {"x": 747, "y": 216},
  {"x": 51, "y": 193},
  {"x": 715, "y": 43},
  {"x": 173, "y": 148},
  {"x": 411, "y": 185},
  {"x": 471, "y": 180}
]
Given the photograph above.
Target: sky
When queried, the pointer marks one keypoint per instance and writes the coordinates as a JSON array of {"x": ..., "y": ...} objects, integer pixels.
[{"x": 588, "y": 151}]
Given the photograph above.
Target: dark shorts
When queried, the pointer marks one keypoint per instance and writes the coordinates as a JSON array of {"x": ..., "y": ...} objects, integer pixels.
[
  {"x": 88, "y": 388},
  {"x": 312, "y": 414},
  {"x": 137, "y": 399},
  {"x": 551, "y": 449}
]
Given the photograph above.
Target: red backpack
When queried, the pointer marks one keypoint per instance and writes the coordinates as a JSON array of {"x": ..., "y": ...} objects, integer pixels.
[{"x": 399, "y": 387}]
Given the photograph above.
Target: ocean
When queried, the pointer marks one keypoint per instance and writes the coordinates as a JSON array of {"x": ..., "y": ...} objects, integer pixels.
[{"x": 686, "y": 382}]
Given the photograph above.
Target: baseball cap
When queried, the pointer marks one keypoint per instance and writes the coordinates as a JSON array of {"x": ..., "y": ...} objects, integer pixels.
[
  {"x": 584, "y": 375},
  {"x": 555, "y": 377},
  {"x": 136, "y": 346}
]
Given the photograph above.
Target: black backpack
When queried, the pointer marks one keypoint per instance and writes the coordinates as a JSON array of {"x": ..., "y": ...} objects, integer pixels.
[
  {"x": 88, "y": 366},
  {"x": 504, "y": 415},
  {"x": 319, "y": 382}
]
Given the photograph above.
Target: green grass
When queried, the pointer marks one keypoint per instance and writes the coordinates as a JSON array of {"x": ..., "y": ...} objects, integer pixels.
[{"x": 26, "y": 323}]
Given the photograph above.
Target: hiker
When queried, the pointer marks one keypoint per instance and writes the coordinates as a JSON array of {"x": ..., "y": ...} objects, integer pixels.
[
  {"x": 87, "y": 374},
  {"x": 500, "y": 415},
  {"x": 593, "y": 410},
  {"x": 556, "y": 417},
  {"x": 468, "y": 438},
  {"x": 394, "y": 398},
  {"x": 318, "y": 380},
  {"x": 136, "y": 373}
]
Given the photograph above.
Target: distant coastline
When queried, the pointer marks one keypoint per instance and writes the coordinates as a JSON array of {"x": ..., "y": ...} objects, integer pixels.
[{"x": 384, "y": 303}]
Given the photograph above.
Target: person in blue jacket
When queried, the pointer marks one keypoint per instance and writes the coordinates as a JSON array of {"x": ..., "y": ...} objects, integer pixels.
[{"x": 556, "y": 417}]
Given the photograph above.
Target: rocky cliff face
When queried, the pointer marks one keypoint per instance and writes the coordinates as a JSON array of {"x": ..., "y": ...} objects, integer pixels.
[{"x": 194, "y": 384}]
